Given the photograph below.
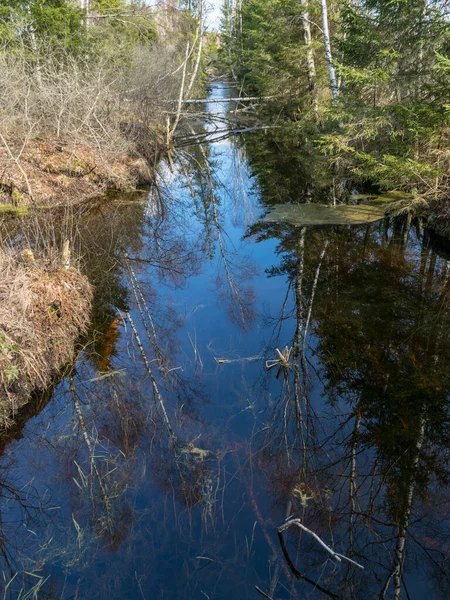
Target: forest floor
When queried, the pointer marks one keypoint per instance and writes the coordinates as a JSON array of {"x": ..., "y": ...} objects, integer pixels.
[{"x": 51, "y": 173}]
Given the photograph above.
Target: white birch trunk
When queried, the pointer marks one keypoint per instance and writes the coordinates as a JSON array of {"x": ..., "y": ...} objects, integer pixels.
[
  {"x": 199, "y": 49},
  {"x": 328, "y": 54},
  {"x": 309, "y": 51}
]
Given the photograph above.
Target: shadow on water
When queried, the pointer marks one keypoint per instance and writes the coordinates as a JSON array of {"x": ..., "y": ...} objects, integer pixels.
[{"x": 239, "y": 374}]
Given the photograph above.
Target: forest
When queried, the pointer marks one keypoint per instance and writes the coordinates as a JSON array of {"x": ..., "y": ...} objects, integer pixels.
[{"x": 365, "y": 83}]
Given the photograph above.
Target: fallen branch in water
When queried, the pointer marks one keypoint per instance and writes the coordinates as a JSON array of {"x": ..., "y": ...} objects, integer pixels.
[
  {"x": 263, "y": 593},
  {"x": 206, "y": 134},
  {"x": 299, "y": 575},
  {"x": 283, "y": 359},
  {"x": 217, "y": 100},
  {"x": 225, "y": 361},
  {"x": 336, "y": 555}
]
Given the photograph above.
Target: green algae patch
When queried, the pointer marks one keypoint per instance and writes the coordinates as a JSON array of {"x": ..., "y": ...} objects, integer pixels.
[{"x": 369, "y": 211}]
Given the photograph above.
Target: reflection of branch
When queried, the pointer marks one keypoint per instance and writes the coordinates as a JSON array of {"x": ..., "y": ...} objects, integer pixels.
[
  {"x": 152, "y": 378},
  {"x": 91, "y": 451},
  {"x": 334, "y": 554},
  {"x": 316, "y": 279}
]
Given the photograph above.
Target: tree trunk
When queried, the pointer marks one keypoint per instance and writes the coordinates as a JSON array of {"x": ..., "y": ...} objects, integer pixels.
[
  {"x": 328, "y": 54},
  {"x": 199, "y": 49},
  {"x": 309, "y": 52}
]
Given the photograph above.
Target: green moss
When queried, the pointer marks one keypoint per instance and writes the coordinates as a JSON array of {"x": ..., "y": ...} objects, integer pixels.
[
  {"x": 17, "y": 197},
  {"x": 343, "y": 214},
  {"x": 10, "y": 210},
  {"x": 77, "y": 167}
]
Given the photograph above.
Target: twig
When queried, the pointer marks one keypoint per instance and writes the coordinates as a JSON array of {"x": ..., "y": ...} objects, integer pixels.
[
  {"x": 282, "y": 361},
  {"x": 334, "y": 554},
  {"x": 263, "y": 593},
  {"x": 299, "y": 575}
]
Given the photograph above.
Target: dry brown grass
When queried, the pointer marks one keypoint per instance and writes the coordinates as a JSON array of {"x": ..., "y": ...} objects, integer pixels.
[
  {"x": 61, "y": 173},
  {"x": 43, "y": 309},
  {"x": 71, "y": 127}
]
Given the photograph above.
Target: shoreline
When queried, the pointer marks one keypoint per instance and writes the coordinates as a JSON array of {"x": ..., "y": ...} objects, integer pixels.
[
  {"x": 44, "y": 307},
  {"x": 60, "y": 173}
]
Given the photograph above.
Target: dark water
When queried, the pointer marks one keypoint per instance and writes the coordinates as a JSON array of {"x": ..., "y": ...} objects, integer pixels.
[{"x": 163, "y": 464}]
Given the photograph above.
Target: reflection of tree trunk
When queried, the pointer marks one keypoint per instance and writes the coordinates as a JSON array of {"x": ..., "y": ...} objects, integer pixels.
[
  {"x": 313, "y": 292},
  {"x": 156, "y": 391},
  {"x": 299, "y": 267},
  {"x": 352, "y": 484},
  {"x": 399, "y": 551},
  {"x": 405, "y": 232},
  {"x": 423, "y": 264},
  {"x": 147, "y": 318},
  {"x": 385, "y": 231},
  {"x": 366, "y": 239},
  {"x": 430, "y": 273},
  {"x": 297, "y": 349},
  {"x": 446, "y": 275}
]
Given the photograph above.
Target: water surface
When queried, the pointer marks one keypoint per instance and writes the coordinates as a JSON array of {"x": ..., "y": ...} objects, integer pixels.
[{"x": 162, "y": 465}]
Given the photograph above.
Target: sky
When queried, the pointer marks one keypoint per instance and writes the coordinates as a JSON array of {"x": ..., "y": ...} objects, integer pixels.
[
  {"x": 214, "y": 11},
  {"x": 213, "y": 7}
]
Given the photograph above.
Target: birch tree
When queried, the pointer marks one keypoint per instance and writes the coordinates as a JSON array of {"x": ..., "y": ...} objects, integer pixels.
[
  {"x": 309, "y": 52},
  {"x": 328, "y": 54}
]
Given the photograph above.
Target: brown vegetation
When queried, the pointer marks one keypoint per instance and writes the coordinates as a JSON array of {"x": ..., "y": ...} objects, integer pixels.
[
  {"x": 43, "y": 308},
  {"x": 60, "y": 173},
  {"x": 70, "y": 128}
]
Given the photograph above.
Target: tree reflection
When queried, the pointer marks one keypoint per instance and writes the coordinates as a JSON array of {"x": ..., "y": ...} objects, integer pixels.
[{"x": 378, "y": 449}]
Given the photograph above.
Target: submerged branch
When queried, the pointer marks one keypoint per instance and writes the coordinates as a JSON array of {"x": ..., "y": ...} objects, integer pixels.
[
  {"x": 297, "y": 573},
  {"x": 336, "y": 555}
]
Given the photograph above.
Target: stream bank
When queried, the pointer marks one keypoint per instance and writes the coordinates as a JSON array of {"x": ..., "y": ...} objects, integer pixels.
[
  {"x": 59, "y": 173},
  {"x": 44, "y": 307}
]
